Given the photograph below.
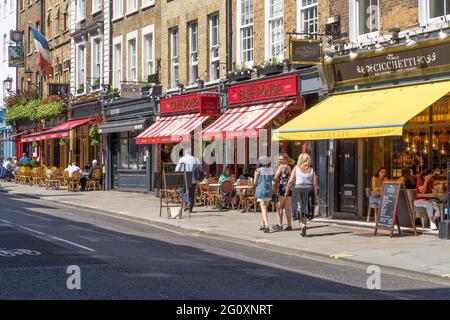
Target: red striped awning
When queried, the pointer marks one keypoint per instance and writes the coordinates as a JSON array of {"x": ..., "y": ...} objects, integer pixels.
[
  {"x": 172, "y": 129},
  {"x": 60, "y": 131},
  {"x": 244, "y": 121}
]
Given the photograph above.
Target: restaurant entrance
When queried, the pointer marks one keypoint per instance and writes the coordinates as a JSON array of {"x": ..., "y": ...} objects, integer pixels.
[{"x": 347, "y": 193}]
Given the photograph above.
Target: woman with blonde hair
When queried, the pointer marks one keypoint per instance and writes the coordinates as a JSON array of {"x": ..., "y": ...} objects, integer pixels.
[{"x": 304, "y": 193}]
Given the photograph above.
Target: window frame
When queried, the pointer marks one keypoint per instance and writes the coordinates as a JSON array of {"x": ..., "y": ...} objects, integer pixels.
[
  {"x": 354, "y": 23},
  {"x": 193, "y": 54},
  {"x": 148, "y": 31},
  {"x": 117, "y": 14},
  {"x": 270, "y": 21},
  {"x": 249, "y": 27},
  {"x": 300, "y": 21},
  {"x": 79, "y": 68},
  {"x": 99, "y": 7},
  {"x": 99, "y": 63},
  {"x": 214, "y": 48},
  {"x": 174, "y": 59},
  {"x": 132, "y": 36},
  {"x": 117, "y": 72},
  {"x": 135, "y": 9},
  {"x": 80, "y": 13}
]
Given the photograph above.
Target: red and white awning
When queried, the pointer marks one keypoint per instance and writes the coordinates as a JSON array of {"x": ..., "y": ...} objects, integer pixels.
[
  {"x": 172, "y": 129},
  {"x": 244, "y": 122},
  {"x": 60, "y": 131}
]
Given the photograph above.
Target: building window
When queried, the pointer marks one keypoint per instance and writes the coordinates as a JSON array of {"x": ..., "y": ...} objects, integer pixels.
[
  {"x": 5, "y": 7},
  {"x": 49, "y": 24},
  {"x": 81, "y": 69},
  {"x": 173, "y": 57},
  {"x": 147, "y": 3},
  {"x": 193, "y": 52},
  {"x": 131, "y": 6},
  {"x": 275, "y": 28},
  {"x": 147, "y": 52},
  {"x": 131, "y": 154},
  {"x": 438, "y": 9},
  {"x": 132, "y": 60},
  {"x": 245, "y": 31},
  {"x": 214, "y": 57},
  {"x": 117, "y": 68},
  {"x": 21, "y": 4},
  {"x": 308, "y": 18},
  {"x": 364, "y": 19},
  {"x": 81, "y": 10},
  {"x": 96, "y": 6},
  {"x": 117, "y": 8},
  {"x": 96, "y": 61},
  {"x": 66, "y": 16}
]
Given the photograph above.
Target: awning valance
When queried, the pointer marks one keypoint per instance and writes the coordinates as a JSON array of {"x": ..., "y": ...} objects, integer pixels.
[
  {"x": 60, "y": 131},
  {"x": 374, "y": 113},
  {"x": 172, "y": 129},
  {"x": 244, "y": 121}
]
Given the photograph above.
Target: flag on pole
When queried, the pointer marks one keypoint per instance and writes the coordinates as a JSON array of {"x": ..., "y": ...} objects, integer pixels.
[{"x": 43, "y": 49}]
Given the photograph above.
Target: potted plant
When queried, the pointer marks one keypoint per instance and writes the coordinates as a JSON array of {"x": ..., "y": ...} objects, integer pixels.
[
  {"x": 271, "y": 66},
  {"x": 241, "y": 72},
  {"x": 80, "y": 88},
  {"x": 145, "y": 86},
  {"x": 96, "y": 84}
]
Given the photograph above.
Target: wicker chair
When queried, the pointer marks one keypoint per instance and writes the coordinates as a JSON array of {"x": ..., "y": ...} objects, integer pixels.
[
  {"x": 64, "y": 178},
  {"x": 25, "y": 175},
  {"x": 74, "y": 182},
  {"x": 52, "y": 180},
  {"x": 94, "y": 181}
]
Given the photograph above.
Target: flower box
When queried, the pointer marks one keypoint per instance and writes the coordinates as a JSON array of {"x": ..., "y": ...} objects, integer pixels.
[
  {"x": 273, "y": 69},
  {"x": 240, "y": 76}
]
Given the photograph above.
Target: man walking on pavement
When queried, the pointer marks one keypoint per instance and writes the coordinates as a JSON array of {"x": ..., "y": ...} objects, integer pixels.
[{"x": 188, "y": 163}]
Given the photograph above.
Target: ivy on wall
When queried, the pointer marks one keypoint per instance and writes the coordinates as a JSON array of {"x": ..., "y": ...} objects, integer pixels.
[{"x": 33, "y": 110}]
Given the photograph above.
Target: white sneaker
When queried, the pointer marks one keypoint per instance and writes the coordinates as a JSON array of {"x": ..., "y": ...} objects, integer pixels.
[{"x": 433, "y": 226}]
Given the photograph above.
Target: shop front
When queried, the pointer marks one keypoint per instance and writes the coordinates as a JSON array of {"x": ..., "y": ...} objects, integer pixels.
[
  {"x": 129, "y": 166},
  {"x": 254, "y": 109},
  {"x": 84, "y": 142},
  {"x": 181, "y": 119},
  {"x": 387, "y": 109}
]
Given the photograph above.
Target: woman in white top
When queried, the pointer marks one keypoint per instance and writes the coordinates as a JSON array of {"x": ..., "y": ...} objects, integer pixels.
[{"x": 304, "y": 192}]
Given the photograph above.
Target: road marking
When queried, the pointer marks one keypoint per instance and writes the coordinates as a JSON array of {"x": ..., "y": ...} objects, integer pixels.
[
  {"x": 6, "y": 221},
  {"x": 73, "y": 243},
  {"x": 260, "y": 240},
  {"x": 32, "y": 230},
  {"x": 340, "y": 255}
]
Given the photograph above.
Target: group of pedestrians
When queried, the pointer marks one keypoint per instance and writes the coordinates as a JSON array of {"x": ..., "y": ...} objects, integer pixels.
[
  {"x": 296, "y": 190},
  {"x": 7, "y": 168}
]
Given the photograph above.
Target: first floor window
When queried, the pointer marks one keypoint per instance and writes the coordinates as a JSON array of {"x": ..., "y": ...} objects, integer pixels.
[
  {"x": 96, "y": 61},
  {"x": 117, "y": 8},
  {"x": 214, "y": 59},
  {"x": 117, "y": 61},
  {"x": 438, "y": 8},
  {"x": 367, "y": 12},
  {"x": 132, "y": 60},
  {"x": 174, "y": 57},
  {"x": 193, "y": 52},
  {"x": 247, "y": 44},
  {"x": 131, "y": 5},
  {"x": 308, "y": 16},
  {"x": 245, "y": 29},
  {"x": 148, "y": 61},
  {"x": 81, "y": 69}
]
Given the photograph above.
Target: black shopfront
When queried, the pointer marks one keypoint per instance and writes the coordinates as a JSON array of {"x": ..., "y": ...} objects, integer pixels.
[{"x": 128, "y": 165}]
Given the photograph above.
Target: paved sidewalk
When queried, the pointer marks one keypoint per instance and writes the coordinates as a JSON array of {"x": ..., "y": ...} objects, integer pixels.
[{"x": 424, "y": 253}]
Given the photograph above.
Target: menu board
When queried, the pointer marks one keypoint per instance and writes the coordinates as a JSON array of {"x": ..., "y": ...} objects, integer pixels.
[
  {"x": 388, "y": 205},
  {"x": 395, "y": 208}
]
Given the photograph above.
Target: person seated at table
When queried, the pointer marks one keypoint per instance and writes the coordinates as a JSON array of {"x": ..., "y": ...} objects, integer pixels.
[
  {"x": 89, "y": 170},
  {"x": 73, "y": 168},
  {"x": 408, "y": 178},
  {"x": 227, "y": 174},
  {"x": 425, "y": 184},
  {"x": 24, "y": 158},
  {"x": 377, "y": 184}
]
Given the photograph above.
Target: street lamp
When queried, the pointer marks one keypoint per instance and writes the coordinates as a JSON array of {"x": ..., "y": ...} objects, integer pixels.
[
  {"x": 28, "y": 74},
  {"x": 7, "y": 83}
]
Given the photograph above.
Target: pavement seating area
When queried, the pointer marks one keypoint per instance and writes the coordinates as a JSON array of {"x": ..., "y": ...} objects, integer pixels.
[{"x": 351, "y": 240}]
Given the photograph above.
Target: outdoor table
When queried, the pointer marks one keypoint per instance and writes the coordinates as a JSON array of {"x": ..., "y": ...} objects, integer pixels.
[{"x": 440, "y": 197}]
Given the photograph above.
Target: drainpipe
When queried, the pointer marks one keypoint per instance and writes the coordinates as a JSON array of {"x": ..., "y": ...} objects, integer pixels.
[{"x": 41, "y": 72}]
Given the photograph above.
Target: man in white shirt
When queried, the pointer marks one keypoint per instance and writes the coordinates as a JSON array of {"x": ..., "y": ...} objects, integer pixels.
[
  {"x": 71, "y": 169},
  {"x": 187, "y": 163}
]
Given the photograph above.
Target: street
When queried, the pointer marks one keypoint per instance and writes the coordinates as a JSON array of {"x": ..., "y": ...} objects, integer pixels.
[{"x": 125, "y": 259}]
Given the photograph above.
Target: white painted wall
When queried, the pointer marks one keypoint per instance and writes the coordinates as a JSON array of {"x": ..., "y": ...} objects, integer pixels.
[{"x": 7, "y": 22}]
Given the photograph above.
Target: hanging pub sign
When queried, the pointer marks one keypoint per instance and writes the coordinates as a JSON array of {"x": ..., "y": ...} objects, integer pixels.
[
  {"x": 303, "y": 51},
  {"x": 206, "y": 105},
  {"x": 16, "y": 56},
  {"x": 393, "y": 64},
  {"x": 263, "y": 90}
]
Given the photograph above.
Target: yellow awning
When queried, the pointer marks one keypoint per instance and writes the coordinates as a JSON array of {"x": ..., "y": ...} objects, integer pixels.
[{"x": 374, "y": 113}]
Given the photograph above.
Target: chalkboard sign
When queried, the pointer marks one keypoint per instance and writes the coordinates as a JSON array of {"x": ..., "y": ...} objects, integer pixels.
[{"x": 395, "y": 208}]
